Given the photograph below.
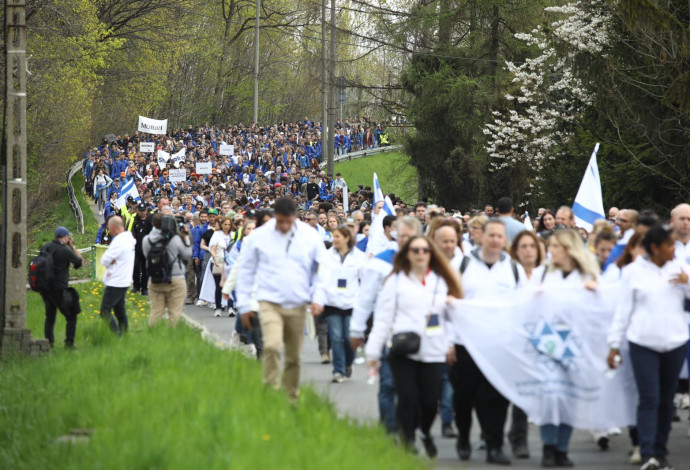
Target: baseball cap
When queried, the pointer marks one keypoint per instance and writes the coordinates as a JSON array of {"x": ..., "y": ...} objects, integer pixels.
[
  {"x": 122, "y": 174},
  {"x": 213, "y": 211},
  {"x": 62, "y": 232},
  {"x": 141, "y": 206},
  {"x": 130, "y": 199}
]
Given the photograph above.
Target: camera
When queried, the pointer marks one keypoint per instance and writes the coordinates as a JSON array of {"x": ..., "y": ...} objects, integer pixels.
[{"x": 172, "y": 225}]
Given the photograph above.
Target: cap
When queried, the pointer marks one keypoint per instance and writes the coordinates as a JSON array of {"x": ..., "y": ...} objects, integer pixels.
[
  {"x": 122, "y": 174},
  {"x": 213, "y": 211},
  {"x": 141, "y": 206},
  {"x": 130, "y": 199},
  {"x": 62, "y": 232}
]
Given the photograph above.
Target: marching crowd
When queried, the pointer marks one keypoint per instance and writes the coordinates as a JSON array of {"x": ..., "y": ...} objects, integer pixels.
[{"x": 268, "y": 236}]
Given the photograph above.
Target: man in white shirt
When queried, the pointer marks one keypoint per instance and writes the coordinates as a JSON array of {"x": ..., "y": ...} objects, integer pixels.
[
  {"x": 680, "y": 220},
  {"x": 339, "y": 181},
  {"x": 486, "y": 271},
  {"x": 118, "y": 260},
  {"x": 282, "y": 245}
]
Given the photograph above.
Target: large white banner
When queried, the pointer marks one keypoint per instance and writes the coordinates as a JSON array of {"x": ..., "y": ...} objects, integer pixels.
[
  {"x": 163, "y": 158},
  {"x": 147, "y": 147},
  {"x": 178, "y": 157},
  {"x": 226, "y": 149},
  {"x": 177, "y": 176},
  {"x": 545, "y": 351},
  {"x": 204, "y": 168},
  {"x": 152, "y": 126}
]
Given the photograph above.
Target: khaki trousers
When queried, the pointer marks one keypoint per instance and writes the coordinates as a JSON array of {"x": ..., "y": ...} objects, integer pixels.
[
  {"x": 167, "y": 295},
  {"x": 282, "y": 327}
]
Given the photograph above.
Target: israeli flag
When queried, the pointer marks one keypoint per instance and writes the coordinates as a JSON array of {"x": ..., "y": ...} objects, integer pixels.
[
  {"x": 129, "y": 189},
  {"x": 589, "y": 203},
  {"x": 378, "y": 196}
]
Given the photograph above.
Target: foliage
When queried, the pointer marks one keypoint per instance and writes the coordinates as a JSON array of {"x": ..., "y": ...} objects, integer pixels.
[{"x": 166, "y": 399}]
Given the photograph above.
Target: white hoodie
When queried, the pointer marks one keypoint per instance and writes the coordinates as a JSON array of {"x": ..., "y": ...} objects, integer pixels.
[
  {"x": 118, "y": 260},
  {"x": 650, "y": 311}
]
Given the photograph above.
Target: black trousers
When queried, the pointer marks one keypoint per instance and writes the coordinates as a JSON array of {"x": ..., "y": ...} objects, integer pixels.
[
  {"x": 518, "y": 427},
  {"x": 141, "y": 275},
  {"x": 418, "y": 387},
  {"x": 471, "y": 389},
  {"x": 53, "y": 302},
  {"x": 219, "y": 291},
  {"x": 114, "y": 300}
]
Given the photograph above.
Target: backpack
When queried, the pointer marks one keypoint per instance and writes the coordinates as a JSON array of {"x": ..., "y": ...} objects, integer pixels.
[
  {"x": 157, "y": 263},
  {"x": 42, "y": 270}
]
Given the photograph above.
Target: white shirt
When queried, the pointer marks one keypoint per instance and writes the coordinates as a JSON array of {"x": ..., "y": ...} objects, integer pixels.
[
  {"x": 286, "y": 266},
  {"x": 118, "y": 260},
  {"x": 344, "y": 278},
  {"x": 683, "y": 251},
  {"x": 373, "y": 274},
  {"x": 650, "y": 311},
  {"x": 404, "y": 305}
]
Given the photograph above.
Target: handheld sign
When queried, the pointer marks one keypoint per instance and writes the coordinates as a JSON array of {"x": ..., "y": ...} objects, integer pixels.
[
  {"x": 147, "y": 147},
  {"x": 226, "y": 149},
  {"x": 204, "y": 168},
  {"x": 177, "y": 176}
]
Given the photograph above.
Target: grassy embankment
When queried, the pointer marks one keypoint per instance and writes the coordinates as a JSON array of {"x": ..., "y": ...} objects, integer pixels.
[
  {"x": 395, "y": 174},
  {"x": 166, "y": 399}
]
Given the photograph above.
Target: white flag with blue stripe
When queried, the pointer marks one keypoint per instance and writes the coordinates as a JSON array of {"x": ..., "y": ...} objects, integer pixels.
[
  {"x": 378, "y": 196},
  {"x": 129, "y": 189},
  {"x": 589, "y": 203}
]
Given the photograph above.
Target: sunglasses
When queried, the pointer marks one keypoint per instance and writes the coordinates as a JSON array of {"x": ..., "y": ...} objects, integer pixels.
[{"x": 417, "y": 250}]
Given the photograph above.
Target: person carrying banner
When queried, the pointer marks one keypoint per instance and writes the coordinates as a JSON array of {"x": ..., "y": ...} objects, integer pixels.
[
  {"x": 486, "y": 271},
  {"x": 651, "y": 316},
  {"x": 413, "y": 304},
  {"x": 570, "y": 265},
  {"x": 373, "y": 275}
]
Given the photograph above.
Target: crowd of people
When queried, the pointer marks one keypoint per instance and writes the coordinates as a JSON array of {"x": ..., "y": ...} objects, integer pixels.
[{"x": 267, "y": 237}]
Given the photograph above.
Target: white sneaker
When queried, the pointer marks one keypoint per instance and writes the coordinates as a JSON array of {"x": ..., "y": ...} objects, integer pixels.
[
  {"x": 685, "y": 402},
  {"x": 234, "y": 340},
  {"x": 615, "y": 432},
  {"x": 251, "y": 350},
  {"x": 211, "y": 305},
  {"x": 232, "y": 312},
  {"x": 635, "y": 457},
  {"x": 651, "y": 464},
  {"x": 218, "y": 312},
  {"x": 200, "y": 303}
]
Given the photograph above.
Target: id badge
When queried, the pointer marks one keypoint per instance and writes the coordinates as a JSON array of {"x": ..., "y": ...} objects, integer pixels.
[
  {"x": 342, "y": 284},
  {"x": 433, "y": 325}
]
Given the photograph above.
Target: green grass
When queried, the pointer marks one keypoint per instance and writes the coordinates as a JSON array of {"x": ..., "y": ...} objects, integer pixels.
[
  {"x": 59, "y": 212},
  {"x": 166, "y": 399},
  {"x": 395, "y": 174}
]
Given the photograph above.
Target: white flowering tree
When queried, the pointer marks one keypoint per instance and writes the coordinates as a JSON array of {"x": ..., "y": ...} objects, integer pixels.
[{"x": 548, "y": 97}]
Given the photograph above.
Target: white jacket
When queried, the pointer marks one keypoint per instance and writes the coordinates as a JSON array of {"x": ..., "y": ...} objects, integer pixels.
[
  {"x": 404, "y": 305},
  {"x": 118, "y": 260},
  {"x": 347, "y": 272},
  {"x": 650, "y": 310}
]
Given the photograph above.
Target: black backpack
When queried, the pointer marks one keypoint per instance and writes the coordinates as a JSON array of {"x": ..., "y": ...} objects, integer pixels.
[
  {"x": 42, "y": 270},
  {"x": 158, "y": 264}
]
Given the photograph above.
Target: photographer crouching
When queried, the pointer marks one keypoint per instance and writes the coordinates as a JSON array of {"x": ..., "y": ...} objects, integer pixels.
[{"x": 167, "y": 250}]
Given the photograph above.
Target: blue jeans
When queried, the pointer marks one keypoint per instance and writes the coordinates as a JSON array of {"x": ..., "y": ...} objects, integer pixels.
[
  {"x": 343, "y": 356},
  {"x": 557, "y": 436},
  {"x": 656, "y": 376},
  {"x": 446, "y": 408},
  {"x": 387, "y": 395}
]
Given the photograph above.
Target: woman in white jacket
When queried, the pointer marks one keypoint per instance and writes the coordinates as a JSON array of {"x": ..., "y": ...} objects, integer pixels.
[
  {"x": 570, "y": 265},
  {"x": 650, "y": 315},
  {"x": 345, "y": 264},
  {"x": 414, "y": 299}
]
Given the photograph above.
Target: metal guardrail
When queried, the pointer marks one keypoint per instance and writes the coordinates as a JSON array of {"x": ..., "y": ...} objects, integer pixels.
[
  {"x": 76, "y": 209},
  {"x": 362, "y": 154}
]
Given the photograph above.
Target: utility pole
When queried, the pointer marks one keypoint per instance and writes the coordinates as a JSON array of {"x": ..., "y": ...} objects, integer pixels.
[
  {"x": 13, "y": 332},
  {"x": 331, "y": 93},
  {"x": 324, "y": 86},
  {"x": 256, "y": 61}
]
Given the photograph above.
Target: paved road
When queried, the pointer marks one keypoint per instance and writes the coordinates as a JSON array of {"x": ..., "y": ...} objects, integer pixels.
[{"x": 357, "y": 400}]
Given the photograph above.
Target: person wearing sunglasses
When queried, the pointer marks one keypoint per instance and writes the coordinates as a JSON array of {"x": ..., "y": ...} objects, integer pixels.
[
  {"x": 650, "y": 315},
  {"x": 414, "y": 299}
]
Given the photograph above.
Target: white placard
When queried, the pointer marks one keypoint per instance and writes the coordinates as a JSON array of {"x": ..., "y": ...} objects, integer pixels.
[
  {"x": 152, "y": 126},
  {"x": 204, "y": 168},
  {"x": 226, "y": 149},
  {"x": 147, "y": 147},
  {"x": 177, "y": 175}
]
